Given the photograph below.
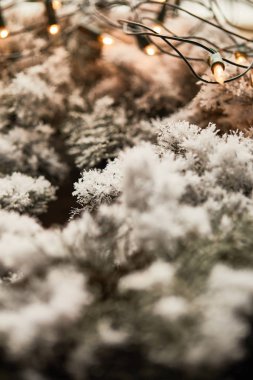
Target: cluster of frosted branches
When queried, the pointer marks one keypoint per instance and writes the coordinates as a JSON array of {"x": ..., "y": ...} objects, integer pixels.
[
  {"x": 30, "y": 102},
  {"x": 158, "y": 272},
  {"x": 216, "y": 170},
  {"x": 230, "y": 107}
]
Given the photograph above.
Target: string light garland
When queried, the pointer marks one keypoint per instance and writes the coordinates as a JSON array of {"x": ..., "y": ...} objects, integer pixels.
[
  {"x": 148, "y": 24},
  {"x": 33, "y": 53},
  {"x": 53, "y": 27},
  {"x": 157, "y": 38}
]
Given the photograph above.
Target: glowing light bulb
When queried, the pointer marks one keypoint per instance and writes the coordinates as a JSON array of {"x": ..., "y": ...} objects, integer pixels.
[
  {"x": 150, "y": 50},
  {"x": 106, "y": 39},
  {"x": 53, "y": 29},
  {"x": 218, "y": 72},
  {"x": 157, "y": 28},
  {"x": 4, "y": 33},
  {"x": 241, "y": 58},
  {"x": 57, "y": 4}
]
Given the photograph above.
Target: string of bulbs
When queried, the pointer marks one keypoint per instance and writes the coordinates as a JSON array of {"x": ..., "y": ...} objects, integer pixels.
[
  {"x": 53, "y": 26},
  {"x": 153, "y": 37}
]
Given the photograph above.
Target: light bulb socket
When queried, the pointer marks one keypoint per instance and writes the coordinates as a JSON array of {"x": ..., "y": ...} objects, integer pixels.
[
  {"x": 51, "y": 14},
  {"x": 242, "y": 49},
  {"x": 215, "y": 59},
  {"x": 2, "y": 20},
  {"x": 142, "y": 40},
  {"x": 162, "y": 13},
  {"x": 175, "y": 12}
]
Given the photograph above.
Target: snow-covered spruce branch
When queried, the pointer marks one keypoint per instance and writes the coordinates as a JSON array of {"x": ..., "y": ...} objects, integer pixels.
[
  {"x": 29, "y": 151},
  {"x": 98, "y": 136},
  {"x": 229, "y": 106}
]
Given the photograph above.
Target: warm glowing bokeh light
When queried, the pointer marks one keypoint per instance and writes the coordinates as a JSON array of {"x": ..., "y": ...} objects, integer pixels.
[
  {"x": 241, "y": 58},
  {"x": 4, "y": 33},
  {"x": 157, "y": 29},
  {"x": 53, "y": 29},
  {"x": 106, "y": 39},
  {"x": 150, "y": 50},
  {"x": 57, "y": 4}
]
